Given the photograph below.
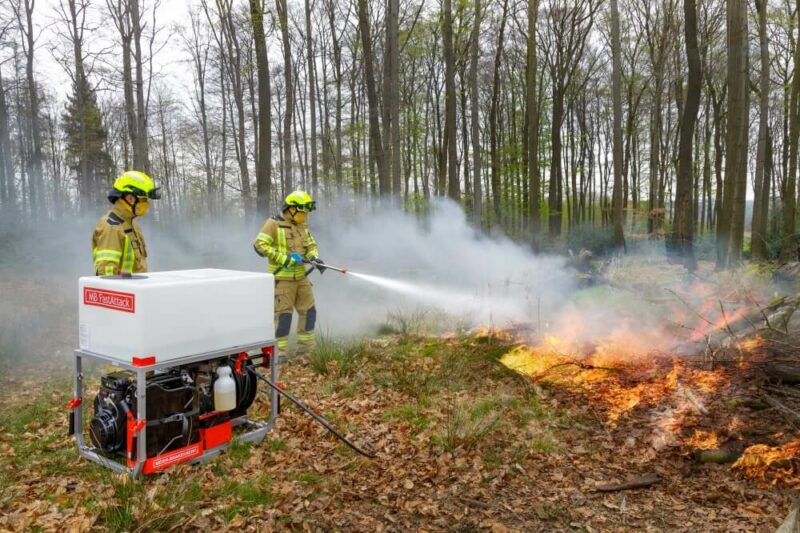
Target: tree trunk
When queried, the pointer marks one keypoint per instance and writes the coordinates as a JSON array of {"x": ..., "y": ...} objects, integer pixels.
[
  {"x": 376, "y": 144},
  {"x": 9, "y": 190},
  {"x": 758, "y": 243},
  {"x": 495, "y": 178},
  {"x": 141, "y": 110},
  {"x": 681, "y": 240},
  {"x": 789, "y": 248},
  {"x": 36, "y": 178},
  {"x": 736, "y": 137},
  {"x": 477, "y": 194},
  {"x": 391, "y": 97},
  {"x": 264, "y": 154},
  {"x": 532, "y": 110},
  {"x": 283, "y": 22},
  {"x": 311, "y": 96},
  {"x": 453, "y": 187},
  {"x": 88, "y": 194},
  {"x": 554, "y": 186},
  {"x": 619, "y": 238},
  {"x": 337, "y": 69}
]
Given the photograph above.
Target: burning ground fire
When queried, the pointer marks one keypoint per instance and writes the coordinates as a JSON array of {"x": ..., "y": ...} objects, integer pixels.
[{"x": 629, "y": 375}]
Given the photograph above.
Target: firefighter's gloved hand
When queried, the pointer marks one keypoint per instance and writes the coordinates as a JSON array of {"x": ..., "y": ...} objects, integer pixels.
[
  {"x": 294, "y": 259},
  {"x": 320, "y": 264}
]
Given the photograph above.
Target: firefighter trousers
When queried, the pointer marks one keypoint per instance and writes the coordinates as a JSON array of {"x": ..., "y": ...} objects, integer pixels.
[{"x": 291, "y": 295}]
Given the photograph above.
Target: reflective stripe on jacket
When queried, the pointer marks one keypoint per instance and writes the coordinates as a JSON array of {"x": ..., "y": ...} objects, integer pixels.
[
  {"x": 118, "y": 244},
  {"x": 277, "y": 239}
]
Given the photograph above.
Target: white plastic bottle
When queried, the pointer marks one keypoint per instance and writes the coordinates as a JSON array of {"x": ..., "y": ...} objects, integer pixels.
[{"x": 224, "y": 390}]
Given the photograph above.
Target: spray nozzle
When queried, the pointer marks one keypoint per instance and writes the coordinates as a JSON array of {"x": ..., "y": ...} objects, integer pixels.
[{"x": 321, "y": 266}]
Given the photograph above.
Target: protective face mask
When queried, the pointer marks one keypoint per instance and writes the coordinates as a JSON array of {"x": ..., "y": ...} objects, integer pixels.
[
  {"x": 141, "y": 208},
  {"x": 299, "y": 217}
]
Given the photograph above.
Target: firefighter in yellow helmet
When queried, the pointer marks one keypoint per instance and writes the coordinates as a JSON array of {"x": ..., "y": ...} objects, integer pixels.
[
  {"x": 117, "y": 242},
  {"x": 286, "y": 242}
]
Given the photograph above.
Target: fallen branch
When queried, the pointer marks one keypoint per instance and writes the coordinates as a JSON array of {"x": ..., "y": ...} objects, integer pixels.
[
  {"x": 579, "y": 364},
  {"x": 788, "y": 413},
  {"x": 476, "y": 503},
  {"x": 718, "y": 456},
  {"x": 785, "y": 391},
  {"x": 763, "y": 313},
  {"x": 689, "y": 307},
  {"x": 783, "y": 373},
  {"x": 636, "y": 483},
  {"x": 725, "y": 318},
  {"x": 791, "y": 524},
  {"x": 689, "y": 395}
]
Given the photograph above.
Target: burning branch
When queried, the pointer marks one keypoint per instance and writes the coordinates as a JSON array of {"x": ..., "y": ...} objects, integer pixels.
[
  {"x": 579, "y": 364},
  {"x": 689, "y": 307},
  {"x": 725, "y": 318}
]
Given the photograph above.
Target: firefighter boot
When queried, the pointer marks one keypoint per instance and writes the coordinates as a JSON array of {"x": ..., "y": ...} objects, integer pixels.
[
  {"x": 284, "y": 299},
  {"x": 307, "y": 313}
]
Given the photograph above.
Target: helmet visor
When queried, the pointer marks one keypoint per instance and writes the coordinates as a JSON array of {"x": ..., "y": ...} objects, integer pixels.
[
  {"x": 152, "y": 194},
  {"x": 307, "y": 207}
]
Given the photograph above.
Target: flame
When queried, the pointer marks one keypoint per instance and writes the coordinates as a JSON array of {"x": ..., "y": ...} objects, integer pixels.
[
  {"x": 630, "y": 370},
  {"x": 703, "y": 440},
  {"x": 724, "y": 321},
  {"x": 751, "y": 344},
  {"x": 772, "y": 463}
]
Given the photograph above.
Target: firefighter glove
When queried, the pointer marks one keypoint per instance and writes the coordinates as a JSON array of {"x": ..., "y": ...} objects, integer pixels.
[
  {"x": 320, "y": 264},
  {"x": 294, "y": 259}
]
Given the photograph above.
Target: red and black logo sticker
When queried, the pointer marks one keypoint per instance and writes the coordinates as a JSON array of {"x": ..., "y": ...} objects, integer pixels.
[{"x": 118, "y": 301}]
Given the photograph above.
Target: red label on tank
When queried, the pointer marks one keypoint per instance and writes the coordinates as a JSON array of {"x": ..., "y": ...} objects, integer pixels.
[
  {"x": 119, "y": 301},
  {"x": 180, "y": 455}
]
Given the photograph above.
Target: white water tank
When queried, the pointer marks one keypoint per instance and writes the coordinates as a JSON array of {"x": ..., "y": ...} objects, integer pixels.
[{"x": 169, "y": 315}]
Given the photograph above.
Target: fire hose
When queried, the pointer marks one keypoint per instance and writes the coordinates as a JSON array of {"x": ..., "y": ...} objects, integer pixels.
[{"x": 320, "y": 420}]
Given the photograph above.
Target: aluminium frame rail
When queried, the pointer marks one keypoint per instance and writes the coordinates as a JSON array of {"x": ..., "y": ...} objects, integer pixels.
[{"x": 255, "y": 433}]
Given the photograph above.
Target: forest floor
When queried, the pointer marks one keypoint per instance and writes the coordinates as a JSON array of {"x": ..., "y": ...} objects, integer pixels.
[{"x": 474, "y": 430}]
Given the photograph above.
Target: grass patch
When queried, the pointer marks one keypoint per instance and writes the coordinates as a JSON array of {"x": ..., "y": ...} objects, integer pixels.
[
  {"x": 414, "y": 380},
  {"x": 342, "y": 357},
  {"x": 276, "y": 445},
  {"x": 467, "y": 426},
  {"x": 181, "y": 495},
  {"x": 249, "y": 492},
  {"x": 545, "y": 443},
  {"x": 230, "y": 513},
  {"x": 121, "y": 514},
  {"x": 310, "y": 478},
  {"x": 410, "y": 413},
  {"x": 239, "y": 452}
]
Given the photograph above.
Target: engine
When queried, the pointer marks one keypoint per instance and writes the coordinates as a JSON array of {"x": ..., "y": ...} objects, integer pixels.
[{"x": 180, "y": 407}]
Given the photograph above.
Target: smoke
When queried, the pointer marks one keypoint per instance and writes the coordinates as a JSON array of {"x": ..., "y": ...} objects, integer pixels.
[
  {"x": 437, "y": 262},
  {"x": 403, "y": 263}
]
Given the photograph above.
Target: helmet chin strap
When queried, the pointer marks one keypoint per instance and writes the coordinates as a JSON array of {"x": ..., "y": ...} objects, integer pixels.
[{"x": 132, "y": 206}]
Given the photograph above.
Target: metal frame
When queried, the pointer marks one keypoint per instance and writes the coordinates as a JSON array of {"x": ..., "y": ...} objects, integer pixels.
[{"x": 255, "y": 433}]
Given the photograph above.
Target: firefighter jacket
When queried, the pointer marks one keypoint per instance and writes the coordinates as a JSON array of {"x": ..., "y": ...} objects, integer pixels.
[
  {"x": 280, "y": 237},
  {"x": 118, "y": 244}
]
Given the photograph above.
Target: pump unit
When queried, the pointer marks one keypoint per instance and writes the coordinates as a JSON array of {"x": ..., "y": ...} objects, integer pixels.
[{"x": 186, "y": 345}]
